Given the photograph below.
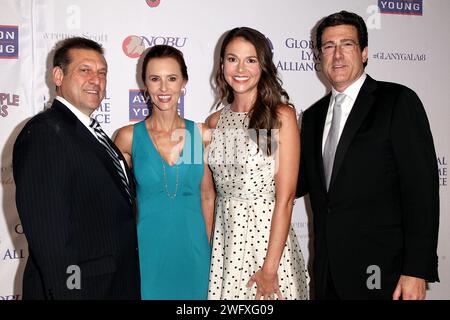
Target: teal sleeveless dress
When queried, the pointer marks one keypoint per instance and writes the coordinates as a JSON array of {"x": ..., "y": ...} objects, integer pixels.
[{"x": 174, "y": 251}]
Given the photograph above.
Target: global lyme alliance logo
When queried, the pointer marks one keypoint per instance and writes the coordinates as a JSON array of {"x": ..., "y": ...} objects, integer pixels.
[
  {"x": 133, "y": 45},
  {"x": 302, "y": 56},
  {"x": 15, "y": 253},
  {"x": 11, "y": 254},
  {"x": 403, "y": 7},
  {"x": 9, "y": 42},
  {"x": 139, "y": 108}
]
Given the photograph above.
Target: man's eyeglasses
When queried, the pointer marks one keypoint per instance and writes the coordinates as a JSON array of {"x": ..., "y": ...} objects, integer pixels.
[{"x": 345, "y": 46}]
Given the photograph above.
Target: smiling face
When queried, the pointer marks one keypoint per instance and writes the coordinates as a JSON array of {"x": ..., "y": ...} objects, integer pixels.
[
  {"x": 83, "y": 83},
  {"x": 341, "y": 67},
  {"x": 241, "y": 67},
  {"x": 164, "y": 82}
]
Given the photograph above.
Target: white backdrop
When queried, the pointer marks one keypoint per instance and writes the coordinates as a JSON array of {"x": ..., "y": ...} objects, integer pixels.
[{"x": 407, "y": 45}]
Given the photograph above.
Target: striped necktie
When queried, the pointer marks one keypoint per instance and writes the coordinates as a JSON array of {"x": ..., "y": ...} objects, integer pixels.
[
  {"x": 333, "y": 138},
  {"x": 104, "y": 140}
]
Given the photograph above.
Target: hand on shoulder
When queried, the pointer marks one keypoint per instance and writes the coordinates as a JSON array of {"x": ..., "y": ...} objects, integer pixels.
[
  {"x": 285, "y": 110},
  {"x": 212, "y": 119},
  {"x": 206, "y": 133},
  {"x": 124, "y": 141},
  {"x": 287, "y": 115},
  {"x": 124, "y": 134}
]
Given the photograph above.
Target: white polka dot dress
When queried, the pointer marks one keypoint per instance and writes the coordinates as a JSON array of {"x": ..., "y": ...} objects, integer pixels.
[{"x": 245, "y": 185}]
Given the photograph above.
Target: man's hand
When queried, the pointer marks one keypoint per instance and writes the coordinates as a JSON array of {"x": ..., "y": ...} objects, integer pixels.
[{"x": 410, "y": 288}]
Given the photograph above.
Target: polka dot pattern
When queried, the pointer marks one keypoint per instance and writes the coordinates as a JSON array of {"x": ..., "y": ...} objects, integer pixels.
[{"x": 244, "y": 179}]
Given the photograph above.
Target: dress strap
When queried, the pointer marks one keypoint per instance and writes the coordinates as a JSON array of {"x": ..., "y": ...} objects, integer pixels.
[
  {"x": 139, "y": 132},
  {"x": 223, "y": 112}
]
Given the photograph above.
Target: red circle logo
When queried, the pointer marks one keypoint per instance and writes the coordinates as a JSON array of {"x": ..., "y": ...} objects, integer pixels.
[
  {"x": 133, "y": 46},
  {"x": 153, "y": 3}
]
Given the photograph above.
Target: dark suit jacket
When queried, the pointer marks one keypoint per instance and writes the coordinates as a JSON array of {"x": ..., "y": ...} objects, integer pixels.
[
  {"x": 382, "y": 207},
  {"x": 74, "y": 211}
]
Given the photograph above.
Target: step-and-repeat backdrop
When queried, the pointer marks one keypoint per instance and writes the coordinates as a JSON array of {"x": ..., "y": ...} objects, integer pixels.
[{"x": 408, "y": 43}]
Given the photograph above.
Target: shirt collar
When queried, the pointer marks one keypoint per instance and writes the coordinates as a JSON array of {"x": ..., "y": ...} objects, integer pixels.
[
  {"x": 352, "y": 90},
  {"x": 80, "y": 115}
]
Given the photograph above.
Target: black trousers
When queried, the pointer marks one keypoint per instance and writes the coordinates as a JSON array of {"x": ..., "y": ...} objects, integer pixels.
[{"x": 330, "y": 290}]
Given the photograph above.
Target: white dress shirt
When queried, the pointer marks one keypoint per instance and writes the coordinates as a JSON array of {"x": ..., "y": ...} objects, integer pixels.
[{"x": 351, "y": 93}]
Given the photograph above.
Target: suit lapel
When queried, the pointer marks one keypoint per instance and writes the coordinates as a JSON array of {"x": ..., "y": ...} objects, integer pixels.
[
  {"x": 361, "y": 107},
  {"x": 128, "y": 173},
  {"x": 90, "y": 142},
  {"x": 321, "y": 117},
  {"x": 99, "y": 150}
]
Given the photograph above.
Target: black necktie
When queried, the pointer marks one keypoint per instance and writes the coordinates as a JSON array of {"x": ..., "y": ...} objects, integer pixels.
[{"x": 103, "y": 139}]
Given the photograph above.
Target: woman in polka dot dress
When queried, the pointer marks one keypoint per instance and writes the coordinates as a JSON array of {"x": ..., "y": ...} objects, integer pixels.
[{"x": 255, "y": 253}]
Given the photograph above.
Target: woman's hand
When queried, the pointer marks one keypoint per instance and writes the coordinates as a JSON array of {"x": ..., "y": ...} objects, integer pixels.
[{"x": 266, "y": 285}]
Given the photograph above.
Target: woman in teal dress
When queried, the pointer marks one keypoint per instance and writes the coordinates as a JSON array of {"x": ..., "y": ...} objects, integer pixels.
[{"x": 175, "y": 191}]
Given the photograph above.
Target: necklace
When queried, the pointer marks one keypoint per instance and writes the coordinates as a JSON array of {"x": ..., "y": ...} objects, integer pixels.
[{"x": 165, "y": 181}]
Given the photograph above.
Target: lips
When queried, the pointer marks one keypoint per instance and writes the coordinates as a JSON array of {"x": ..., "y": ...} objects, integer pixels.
[
  {"x": 164, "y": 98},
  {"x": 95, "y": 90},
  {"x": 240, "y": 78},
  {"x": 338, "y": 66}
]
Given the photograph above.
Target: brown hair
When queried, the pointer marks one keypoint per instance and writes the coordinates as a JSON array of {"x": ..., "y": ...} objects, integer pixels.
[
  {"x": 263, "y": 114},
  {"x": 164, "y": 51}
]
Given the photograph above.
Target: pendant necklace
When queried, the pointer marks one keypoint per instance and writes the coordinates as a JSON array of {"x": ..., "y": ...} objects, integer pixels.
[{"x": 165, "y": 181}]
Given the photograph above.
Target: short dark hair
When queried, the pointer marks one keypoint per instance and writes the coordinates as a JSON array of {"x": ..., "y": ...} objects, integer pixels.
[
  {"x": 62, "y": 58},
  {"x": 164, "y": 51},
  {"x": 341, "y": 18}
]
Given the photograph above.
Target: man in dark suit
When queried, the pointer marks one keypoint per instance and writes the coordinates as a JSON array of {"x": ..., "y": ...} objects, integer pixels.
[
  {"x": 369, "y": 165},
  {"x": 74, "y": 192}
]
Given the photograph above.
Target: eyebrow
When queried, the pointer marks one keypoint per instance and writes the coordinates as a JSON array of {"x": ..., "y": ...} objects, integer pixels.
[
  {"x": 87, "y": 65},
  {"x": 341, "y": 40},
  {"x": 168, "y": 75},
  {"x": 234, "y": 55}
]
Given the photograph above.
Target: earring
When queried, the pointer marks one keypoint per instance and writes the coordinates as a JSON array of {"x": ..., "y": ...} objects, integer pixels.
[
  {"x": 146, "y": 95},
  {"x": 183, "y": 91}
]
